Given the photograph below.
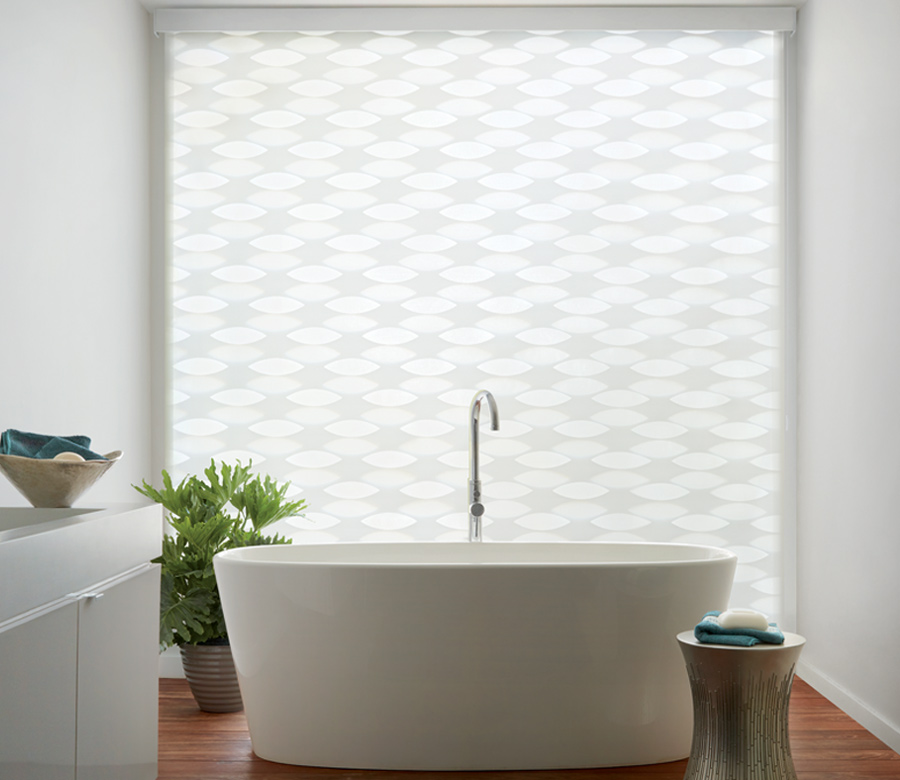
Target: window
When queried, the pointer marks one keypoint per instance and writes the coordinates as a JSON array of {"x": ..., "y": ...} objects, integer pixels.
[{"x": 368, "y": 227}]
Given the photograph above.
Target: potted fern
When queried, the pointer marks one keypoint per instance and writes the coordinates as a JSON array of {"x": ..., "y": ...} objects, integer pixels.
[{"x": 230, "y": 508}]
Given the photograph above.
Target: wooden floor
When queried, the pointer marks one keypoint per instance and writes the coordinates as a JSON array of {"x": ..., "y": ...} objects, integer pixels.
[{"x": 194, "y": 745}]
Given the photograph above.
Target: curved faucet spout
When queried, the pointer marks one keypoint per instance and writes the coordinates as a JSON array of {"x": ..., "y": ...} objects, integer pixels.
[{"x": 476, "y": 508}]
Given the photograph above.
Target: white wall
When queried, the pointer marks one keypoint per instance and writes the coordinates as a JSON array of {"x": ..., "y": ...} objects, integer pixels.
[
  {"x": 74, "y": 230},
  {"x": 849, "y": 364}
]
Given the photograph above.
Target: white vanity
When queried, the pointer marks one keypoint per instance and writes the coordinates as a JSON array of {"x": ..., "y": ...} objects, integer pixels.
[{"x": 79, "y": 617}]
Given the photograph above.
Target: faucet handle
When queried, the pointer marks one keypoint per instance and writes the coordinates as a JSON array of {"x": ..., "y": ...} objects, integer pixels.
[{"x": 476, "y": 509}]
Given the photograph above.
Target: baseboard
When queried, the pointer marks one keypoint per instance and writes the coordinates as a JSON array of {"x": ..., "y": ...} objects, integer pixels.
[
  {"x": 887, "y": 732},
  {"x": 170, "y": 663}
]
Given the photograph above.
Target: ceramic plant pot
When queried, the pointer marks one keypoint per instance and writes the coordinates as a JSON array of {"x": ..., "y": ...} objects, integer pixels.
[{"x": 209, "y": 670}]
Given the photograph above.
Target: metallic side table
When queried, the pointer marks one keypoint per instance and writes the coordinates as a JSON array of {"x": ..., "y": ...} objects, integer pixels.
[{"x": 741, "y": 697}]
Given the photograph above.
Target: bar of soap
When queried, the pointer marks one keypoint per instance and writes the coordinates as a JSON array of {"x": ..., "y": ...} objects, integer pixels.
[
  {"x": 743, "y": 618},
  {"x": 74, "y": 457}
]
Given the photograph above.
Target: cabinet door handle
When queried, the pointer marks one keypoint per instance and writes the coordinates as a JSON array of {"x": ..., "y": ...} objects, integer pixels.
[{"x": 90, "y": 595}]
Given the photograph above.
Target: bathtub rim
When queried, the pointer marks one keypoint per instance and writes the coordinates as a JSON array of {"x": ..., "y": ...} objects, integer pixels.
[{"x": 271, "y": 555}]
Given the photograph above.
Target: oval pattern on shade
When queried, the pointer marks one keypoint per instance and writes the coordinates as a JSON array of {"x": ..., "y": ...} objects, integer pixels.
[{"x": 367, "y": 227}]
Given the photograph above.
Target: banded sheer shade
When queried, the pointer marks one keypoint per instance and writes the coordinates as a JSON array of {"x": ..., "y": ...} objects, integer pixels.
[{"x": 368, "y": 227}]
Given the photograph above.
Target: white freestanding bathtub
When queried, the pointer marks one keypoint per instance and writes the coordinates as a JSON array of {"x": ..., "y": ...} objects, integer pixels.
[{"x": 472, "y": 656}]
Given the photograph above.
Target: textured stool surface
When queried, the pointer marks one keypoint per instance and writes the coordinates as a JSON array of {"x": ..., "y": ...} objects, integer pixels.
[{"x": 741, "y": 697}]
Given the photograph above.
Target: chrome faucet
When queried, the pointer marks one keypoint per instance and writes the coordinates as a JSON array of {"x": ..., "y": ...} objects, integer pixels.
[{"x": 476, "y": 508}]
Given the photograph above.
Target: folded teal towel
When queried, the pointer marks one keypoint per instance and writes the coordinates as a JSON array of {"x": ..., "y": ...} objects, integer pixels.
[
  {"x": 39, "y": 445},
  {"x": 708, "y": 631}
]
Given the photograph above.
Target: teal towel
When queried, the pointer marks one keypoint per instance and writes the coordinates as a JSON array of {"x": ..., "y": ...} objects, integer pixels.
[
  {"x": 39, "y": 445},
  {"x": 708, "y": 631}
]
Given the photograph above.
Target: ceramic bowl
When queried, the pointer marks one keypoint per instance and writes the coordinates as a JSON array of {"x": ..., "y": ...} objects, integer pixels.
[{"x": 54, "y": 483}]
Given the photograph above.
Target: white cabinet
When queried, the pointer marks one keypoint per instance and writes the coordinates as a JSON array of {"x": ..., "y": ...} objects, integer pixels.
[
  {"x": 79, "y": 672},
  {"x": 37, "y": 695},
  {"x": 118, "y": 679}
]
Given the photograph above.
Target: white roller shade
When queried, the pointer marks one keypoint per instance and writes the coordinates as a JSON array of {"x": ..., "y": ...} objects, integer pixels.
[{"x": 368, "y": 227}]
